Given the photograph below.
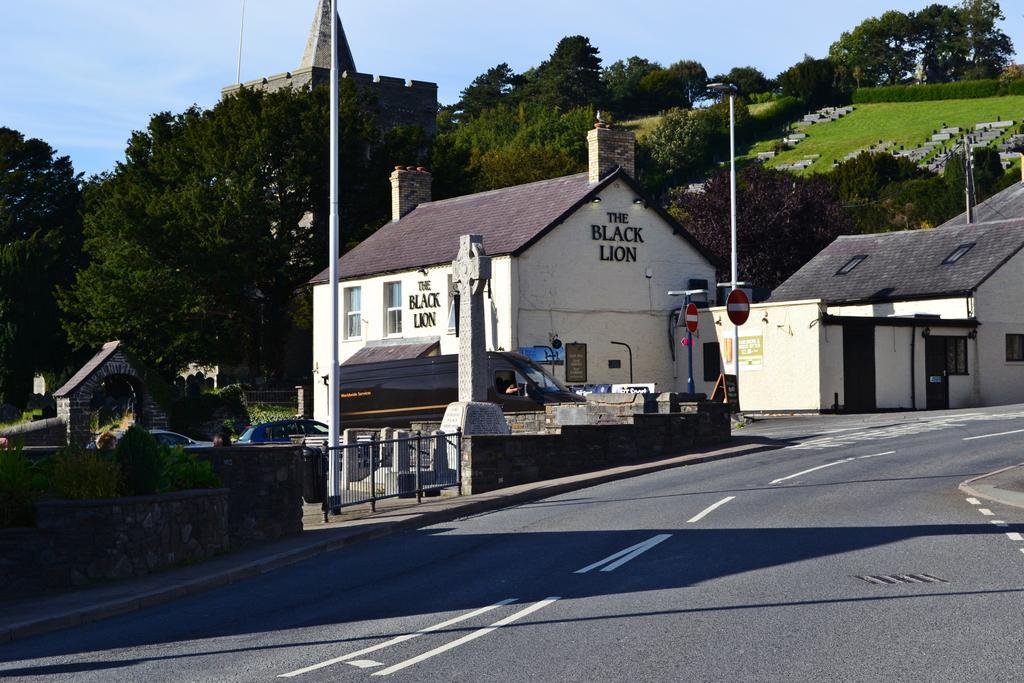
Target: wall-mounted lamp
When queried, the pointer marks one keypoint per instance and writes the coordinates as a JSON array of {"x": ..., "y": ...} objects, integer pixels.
[
  {"x": 718, "y": 321},
  {"x": 423, "y": 271},
  {"x": 325, "y": 379},
  {"x": 639, "y": 202},
  {"x": 596, "y": 200},
  {"x": 765, "y": 318},
  {"x": 973, "y": 334},
  {"x": 926, "y": 332}
]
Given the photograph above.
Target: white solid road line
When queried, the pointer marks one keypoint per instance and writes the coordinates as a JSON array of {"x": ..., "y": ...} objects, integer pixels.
[
  {"x": 974, "y": 501},
  {"x": 396, "y": 640},
  {"x": 1014, "y": 536},
  {"x": 626, "y": 555},
  {"x": 986, "y": 436},
  {"x": 837, "y": 462},
  {"x": 467, "y": 638},
  {"x": 364, "y": 663},
  {"x": 709, "y": 509},
  {"x": 999, "y": 522}
]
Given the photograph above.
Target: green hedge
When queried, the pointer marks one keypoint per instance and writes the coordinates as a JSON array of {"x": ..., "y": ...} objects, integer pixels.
[
  {"x": 1015, "y": 88},
  {"x": 963, "y": 90}
]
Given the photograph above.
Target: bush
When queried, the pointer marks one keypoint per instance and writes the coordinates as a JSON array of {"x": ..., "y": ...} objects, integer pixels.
[
  {"x": 260, "y": 412},
  {"x": 80, "y": 474},
  {"x": 961, "y": 90},
  {"x": 139, "y": 457},
  {"x": 182, "y": 471},
  {"x": 18, "y": 487}
]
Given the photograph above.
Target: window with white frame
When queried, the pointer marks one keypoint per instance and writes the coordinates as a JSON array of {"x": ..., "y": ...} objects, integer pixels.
[
  {"x": 392, "y": 308},
  {"x": 353, "y": 312}
]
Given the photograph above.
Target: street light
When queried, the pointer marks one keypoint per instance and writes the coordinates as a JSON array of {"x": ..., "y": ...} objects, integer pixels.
[
  {"x": 730, "y": 90},
  {"x": 690, "y": 388}
]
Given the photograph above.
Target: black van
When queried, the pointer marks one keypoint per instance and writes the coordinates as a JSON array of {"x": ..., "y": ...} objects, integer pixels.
[{"x": 396, "y": 393}]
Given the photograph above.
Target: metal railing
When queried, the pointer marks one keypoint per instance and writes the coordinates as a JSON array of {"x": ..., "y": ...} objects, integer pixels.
[
  {"x": 411, "y": 465},
  {"x": 286, "y": 398}
]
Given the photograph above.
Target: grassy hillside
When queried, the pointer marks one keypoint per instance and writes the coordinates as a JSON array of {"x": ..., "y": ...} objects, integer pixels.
[{"x": 903, "y": 123}]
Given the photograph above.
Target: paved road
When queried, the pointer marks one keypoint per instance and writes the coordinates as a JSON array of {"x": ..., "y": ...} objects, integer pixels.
[{"x": 742, "y": 569}]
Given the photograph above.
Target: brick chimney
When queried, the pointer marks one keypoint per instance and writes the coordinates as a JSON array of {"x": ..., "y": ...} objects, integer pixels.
[
  {"x": 410, "y": 187},
  {"x": 610, "y": 148}
]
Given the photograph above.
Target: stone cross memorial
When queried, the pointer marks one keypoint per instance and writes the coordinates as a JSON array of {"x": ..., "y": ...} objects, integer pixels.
[{"x": 470, "y": 272}]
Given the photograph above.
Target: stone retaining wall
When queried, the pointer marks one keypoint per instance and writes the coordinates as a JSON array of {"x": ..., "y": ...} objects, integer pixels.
[
  {"x": 493, "y": 462},
  {"x": 266, "y": 490},
  {"x": 78, "y": 542},
  {"x": 49, "y": 432}
]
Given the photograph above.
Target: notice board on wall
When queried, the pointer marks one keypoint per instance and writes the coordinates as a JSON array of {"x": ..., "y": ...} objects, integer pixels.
[{"x": 576, "y": 363}]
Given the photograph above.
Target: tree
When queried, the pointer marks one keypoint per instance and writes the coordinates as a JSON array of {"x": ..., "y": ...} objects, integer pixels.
[
  {"x": 200, "y": 240},
  {"x": 783, "y": 221},
  {"x": 988, "y": 49},
  {"x": 748, "y": 80},
  {"x": 862, "y": 178},
  {"x": 487, "y": 90},
  {"x": 680, "y": 145},
  {"x": 622, "y": 85},
  {"x": 882, "y": 49},
  {"x": 40, "y": 243},
  {"x": 569, "y": 78},
  {"x": 941, "y": 40},
  {"x": 693, "y": 80},
  {"x": 813, "y": 81}
]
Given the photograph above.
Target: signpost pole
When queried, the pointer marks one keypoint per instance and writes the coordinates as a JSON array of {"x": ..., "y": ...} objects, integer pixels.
[
  {"x": 334, "y": 389},
  {"x": 689, "y": 353}
]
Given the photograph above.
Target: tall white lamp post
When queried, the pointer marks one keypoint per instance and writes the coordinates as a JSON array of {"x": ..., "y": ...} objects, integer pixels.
[
  {"x": 334, "y": 423},
  {"x": 730, "y": 89}
]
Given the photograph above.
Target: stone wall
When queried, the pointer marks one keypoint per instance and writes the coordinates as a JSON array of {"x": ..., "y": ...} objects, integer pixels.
[
  {"x": 493, "y": 462},
  {"x": 266, "y": 490},
  {"x": 78, "y": 542},
  {"x": 49, "y": 432}
]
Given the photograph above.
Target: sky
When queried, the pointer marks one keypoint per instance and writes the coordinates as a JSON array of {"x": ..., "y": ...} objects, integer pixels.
[{"x": 83, "y": 74}]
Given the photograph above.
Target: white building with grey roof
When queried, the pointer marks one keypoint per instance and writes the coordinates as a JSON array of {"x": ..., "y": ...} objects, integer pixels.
[
  {"x": 922, "y": 319},
  {"x": 582, "y": 259}
]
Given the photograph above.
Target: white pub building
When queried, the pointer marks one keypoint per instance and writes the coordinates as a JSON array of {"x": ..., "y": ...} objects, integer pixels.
[{"x": 584, "y": 259}]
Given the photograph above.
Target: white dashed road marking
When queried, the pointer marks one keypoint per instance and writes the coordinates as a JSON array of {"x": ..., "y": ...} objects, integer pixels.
[
  {"x": 1014, "y": 536},
  {"x": 708, "y": 510},
  {"x": 468, "y": 637},
  {"x": 974, "y": 501},
  {"x": 397, "y": 640},
  {"x": 999, "y": 522},
  {"x": 623, "y": 556},
  {"x": 986, "y": 512}
]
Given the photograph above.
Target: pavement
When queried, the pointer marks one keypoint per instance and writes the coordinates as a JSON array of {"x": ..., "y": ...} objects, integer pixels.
[
  {"x": 1004, "y": 486},
  {"x": 33, "y": 616}
]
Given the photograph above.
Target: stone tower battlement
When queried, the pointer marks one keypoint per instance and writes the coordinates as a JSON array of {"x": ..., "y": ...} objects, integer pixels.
[{"x": 400, "y": 102}]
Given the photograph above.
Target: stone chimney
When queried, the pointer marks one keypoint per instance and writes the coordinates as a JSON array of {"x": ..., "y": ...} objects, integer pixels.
[
  {"x": 610, "y": 148},
  {"x": 410, "y": 187}
]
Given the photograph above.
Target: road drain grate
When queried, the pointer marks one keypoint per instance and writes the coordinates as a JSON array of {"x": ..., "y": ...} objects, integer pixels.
[{"x": 893, "y": 579}]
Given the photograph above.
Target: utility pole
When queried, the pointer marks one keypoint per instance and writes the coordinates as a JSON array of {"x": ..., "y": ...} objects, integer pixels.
[{"x": 969, "y": 177}]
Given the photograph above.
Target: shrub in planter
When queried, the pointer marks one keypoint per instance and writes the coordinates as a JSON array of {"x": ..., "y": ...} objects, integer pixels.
[
  {"x": 139, "y": 456},
  {"x": 182, "y": 471},
  {"x": 19, "y": 485},
  {"x": 79, "y": 474}
]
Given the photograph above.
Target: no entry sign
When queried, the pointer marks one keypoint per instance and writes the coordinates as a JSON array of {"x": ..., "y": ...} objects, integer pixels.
[
  {"x": 738, "y": 307},
  {"x": 692, "y": 317}
]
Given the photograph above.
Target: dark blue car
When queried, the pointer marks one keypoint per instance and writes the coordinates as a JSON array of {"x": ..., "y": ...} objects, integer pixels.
[{"x": 282, "y": 431}]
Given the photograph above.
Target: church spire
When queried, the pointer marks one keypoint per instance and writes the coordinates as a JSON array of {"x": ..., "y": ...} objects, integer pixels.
[{"x": 318, "y": 47}]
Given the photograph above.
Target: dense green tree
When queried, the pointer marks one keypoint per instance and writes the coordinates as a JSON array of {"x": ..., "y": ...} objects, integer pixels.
[
  {"x": 40, "y": 243},
  {"x": 622, "y": 85},
  {"x": 487, "y": 90},
  {"x": 682, "y": 144},
  {"x": 813, "y": 81},
  {"x": 200, "y": 238},
  {"x": 783, "y": 221},
  {"x": 882, "y": 50},
  {"x": 693, "y": 80},
  {"x": 569, "y": 78},
  {"x": 863, "y": 178},
  {"x": 988, "y": 171},
  {"x": 748, "y": 80},
  {"x": 988, "y": 49},
  {"x": 940, "y": 37}
]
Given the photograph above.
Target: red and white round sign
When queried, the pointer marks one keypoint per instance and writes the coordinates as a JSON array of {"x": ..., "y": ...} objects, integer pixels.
[
  {"x": 692, "y": 317},
  {"x": 738, "y": 307}
]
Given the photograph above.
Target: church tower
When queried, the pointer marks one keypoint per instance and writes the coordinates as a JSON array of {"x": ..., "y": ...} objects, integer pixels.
[{"x": 400, "y": 102}]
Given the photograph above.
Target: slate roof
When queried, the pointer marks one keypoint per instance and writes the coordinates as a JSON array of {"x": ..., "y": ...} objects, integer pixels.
[
  {"x": 86, "y": 371},
  {"x": 510, "y": 220},
  {"x": 905, "y": 265},
  {"x": 386, "y": 349},
  {"x": 1003, "y": 205}
]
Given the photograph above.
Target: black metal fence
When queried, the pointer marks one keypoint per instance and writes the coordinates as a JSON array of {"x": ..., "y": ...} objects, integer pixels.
[
  {"x": 285, "y": 398},
  {"x": 412, "y": 465}
]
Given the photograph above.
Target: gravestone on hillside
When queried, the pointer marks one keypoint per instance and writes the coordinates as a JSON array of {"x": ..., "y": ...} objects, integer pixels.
[{"x": 472, "y": 412}]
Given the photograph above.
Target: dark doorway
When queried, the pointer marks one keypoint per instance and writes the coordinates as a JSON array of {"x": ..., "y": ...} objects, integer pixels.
[
  {"x": 936, "y": 375},
  {"x": 859, "y": 367}
]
